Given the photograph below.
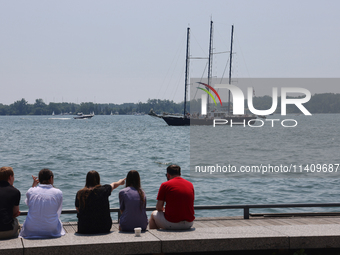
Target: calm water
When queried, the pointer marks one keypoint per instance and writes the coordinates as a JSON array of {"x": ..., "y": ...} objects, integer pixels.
[{"x": 113, "y": 145}]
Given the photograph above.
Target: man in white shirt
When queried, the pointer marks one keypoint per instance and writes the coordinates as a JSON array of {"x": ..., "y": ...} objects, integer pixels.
[{"x": 44, "y": 208}]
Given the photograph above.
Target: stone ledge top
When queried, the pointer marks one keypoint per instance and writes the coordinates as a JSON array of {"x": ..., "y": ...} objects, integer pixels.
[{"x": 207, "y": 235}]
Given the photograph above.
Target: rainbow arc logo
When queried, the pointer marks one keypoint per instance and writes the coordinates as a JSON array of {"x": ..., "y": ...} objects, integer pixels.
[{"x": 209, "y": 93}]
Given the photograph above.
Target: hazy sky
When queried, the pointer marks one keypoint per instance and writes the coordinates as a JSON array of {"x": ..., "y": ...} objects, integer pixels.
[{"x": 130, "y": 51}]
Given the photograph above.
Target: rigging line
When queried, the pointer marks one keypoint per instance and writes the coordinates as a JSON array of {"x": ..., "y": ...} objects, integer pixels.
[
  {"x": 205, "y": 68},
  {"x": 178, "y": 82},
  {"x": 224, "y": 43},
  {"x": 238, "y": 43},
  {"x": 173, "y": 71},
  {"x": 225, "y": 68},
  {"x": 198, "y": 58},
  {"x": 172, "y": 74},
  {"x": 180, "y": 46},
  {"x": 223, "y": 39},
  {"x": 222, "y": 52},
  {"x": 198, "y": 43}
]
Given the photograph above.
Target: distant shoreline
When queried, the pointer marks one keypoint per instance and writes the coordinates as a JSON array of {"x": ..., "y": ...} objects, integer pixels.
[{"x": 319, "y": 103}]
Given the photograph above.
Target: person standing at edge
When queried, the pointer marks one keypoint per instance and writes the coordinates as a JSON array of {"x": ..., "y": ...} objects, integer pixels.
[
  {"x": 9, "y": 204},
  {"x": 44, "y": 208},
  {"x": 179, "y": 196}
]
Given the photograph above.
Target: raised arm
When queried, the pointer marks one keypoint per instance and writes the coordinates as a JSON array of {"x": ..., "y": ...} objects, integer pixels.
[
  {"x": 35, "y": 181},
  {"x": 118, "y": 183}
]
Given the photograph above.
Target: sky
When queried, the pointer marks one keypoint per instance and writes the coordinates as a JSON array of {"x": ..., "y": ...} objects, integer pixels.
[{"x": 130, "y": 51}]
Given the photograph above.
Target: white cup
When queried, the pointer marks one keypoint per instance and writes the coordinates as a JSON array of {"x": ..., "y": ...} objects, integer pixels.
[{"x": 137, "y": 231}]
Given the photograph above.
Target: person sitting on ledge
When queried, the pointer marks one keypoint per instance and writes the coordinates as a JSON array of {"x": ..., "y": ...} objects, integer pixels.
[
  {"x": 92, "y": 204},
  {"x": 9, "y": 204},
  {"x": 178, "y": 194},
  {"x": 44, "y": 203},
  {"x": 132, "y": 202}
]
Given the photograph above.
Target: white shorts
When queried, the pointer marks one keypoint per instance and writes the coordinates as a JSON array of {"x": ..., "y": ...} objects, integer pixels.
[{"x": 161, "y": 222}]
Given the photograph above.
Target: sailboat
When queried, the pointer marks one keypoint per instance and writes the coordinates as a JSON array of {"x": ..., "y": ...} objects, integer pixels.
[
  {"x": 174, "y": 120},
  {"x": 187, "y": 119}
]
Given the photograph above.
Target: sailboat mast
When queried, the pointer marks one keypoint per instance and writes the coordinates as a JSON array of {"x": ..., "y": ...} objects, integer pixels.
[
  {"x": 210, "y": 57},
  {"x": 186, "y": 72},
  {"x": 230, "y": 63}
]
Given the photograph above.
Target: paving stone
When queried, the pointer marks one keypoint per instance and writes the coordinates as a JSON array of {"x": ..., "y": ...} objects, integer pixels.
[
  {"x": 221, "y": 239},
  {"x": 11, "y": 247},
  {"x": 68, "y": 228},
  {"x": 114, "y": 242},
  {"x": 311, "y": 236}
]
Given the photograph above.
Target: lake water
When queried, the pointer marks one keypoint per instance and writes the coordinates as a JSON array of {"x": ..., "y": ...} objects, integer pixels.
[{"x": 113, "y": 145}]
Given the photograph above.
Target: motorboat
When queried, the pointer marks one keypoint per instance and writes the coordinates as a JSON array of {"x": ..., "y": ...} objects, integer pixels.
[{"x": 80, "y": 115}]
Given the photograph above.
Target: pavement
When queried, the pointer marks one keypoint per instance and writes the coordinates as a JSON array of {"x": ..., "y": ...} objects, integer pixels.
[{"x": 224, "y": 234}]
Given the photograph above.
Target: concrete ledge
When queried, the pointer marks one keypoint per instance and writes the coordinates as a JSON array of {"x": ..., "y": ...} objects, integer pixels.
[
  {"x": 11, "y": 247},
  {"x": 114, "y": 242},
  {"x": 311, "y": 236},
  {"x": 208, "y": 235},
  {"x": 221, "y": 239}
]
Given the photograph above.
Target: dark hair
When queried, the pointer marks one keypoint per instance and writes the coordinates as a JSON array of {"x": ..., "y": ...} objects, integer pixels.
[
  {"x": 45, "y": 175},
  {"x": 92, "y": 181},
  {"x": 174, "y": 170},
  {"x": 5, "y": 173},
  {"x": 133, "y": 180}
]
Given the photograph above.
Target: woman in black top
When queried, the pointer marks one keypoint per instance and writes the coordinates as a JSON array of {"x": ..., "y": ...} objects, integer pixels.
[{"x": 92, "y": 204}]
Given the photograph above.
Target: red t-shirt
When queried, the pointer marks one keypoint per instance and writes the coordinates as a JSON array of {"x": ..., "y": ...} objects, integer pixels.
[{"x": 179, "y": 196}]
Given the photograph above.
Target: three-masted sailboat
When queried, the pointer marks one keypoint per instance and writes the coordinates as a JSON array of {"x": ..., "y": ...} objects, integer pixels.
[
  {"x": 208, "y": 119},
  {"x": 174, "y": 120}
]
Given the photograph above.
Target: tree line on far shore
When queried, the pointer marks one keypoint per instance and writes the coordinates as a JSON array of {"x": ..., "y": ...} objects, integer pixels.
[
  {"x": 22, "y": 107},
  {"x": 319, "y": 103}
]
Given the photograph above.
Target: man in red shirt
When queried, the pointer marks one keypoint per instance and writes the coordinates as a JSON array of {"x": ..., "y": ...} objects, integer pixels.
[{"x": 178, "y": 196}]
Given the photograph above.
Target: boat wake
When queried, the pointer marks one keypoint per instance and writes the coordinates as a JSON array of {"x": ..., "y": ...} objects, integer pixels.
[
  {"x": 163, "y": 163},
  {"x": 59, "y": 118}
]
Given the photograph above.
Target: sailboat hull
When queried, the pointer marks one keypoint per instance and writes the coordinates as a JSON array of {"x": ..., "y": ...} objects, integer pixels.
[
  {"x": 231, "y": 120},
  {"x": 176, "y": 121}
]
